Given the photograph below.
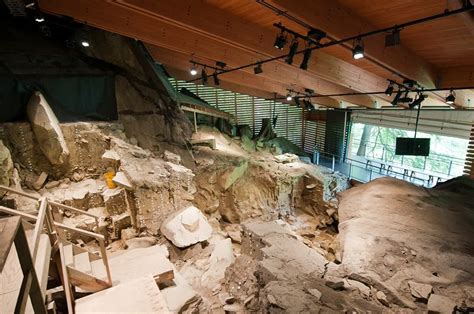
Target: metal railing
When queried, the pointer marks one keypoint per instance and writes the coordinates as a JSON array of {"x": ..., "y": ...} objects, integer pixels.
[
  {"x": 368, "y": 170},
  {"x": 385, "y": 151},
  {"x": 45, "y": 217}
]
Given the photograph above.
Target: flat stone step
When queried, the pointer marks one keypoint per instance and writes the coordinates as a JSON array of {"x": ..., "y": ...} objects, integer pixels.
[
  {"x": 82, "y": 263},
  {"x": 140, "y": 295}
]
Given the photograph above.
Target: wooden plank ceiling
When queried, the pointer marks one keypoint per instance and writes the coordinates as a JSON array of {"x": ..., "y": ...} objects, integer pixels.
[{"x": 436, "y": 54}]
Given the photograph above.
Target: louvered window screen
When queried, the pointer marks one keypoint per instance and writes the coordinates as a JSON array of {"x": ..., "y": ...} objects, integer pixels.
[{"x": 251, "y": 110}]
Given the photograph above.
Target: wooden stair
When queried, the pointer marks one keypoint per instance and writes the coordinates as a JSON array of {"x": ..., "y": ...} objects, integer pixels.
[{"x": 82, "y": 274}]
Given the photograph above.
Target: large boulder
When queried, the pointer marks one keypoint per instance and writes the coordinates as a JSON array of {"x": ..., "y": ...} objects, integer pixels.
[
  {"x": 6, "y": 166},
  {"x": 46, "y": 128},
  {"x": 186, "y": 227}
]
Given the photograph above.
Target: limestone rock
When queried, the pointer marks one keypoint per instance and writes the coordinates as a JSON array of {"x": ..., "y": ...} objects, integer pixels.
[
  {"x": 234, "y": 232},
  {"x": 382, "y": 298},
  {"x": 315, "y": 293},
  {"x": 46, "y": 128},
  {"x": 171, "y": 157},
  {"x": 114, "y": 200},
  {"x": 420, "y": 290},
  {"x": 440, "y": 304},
  {"x": 52, "y": 184},
  {"x": 186, "y": 227},
  {"x": 40, "y": 181},
  {"x": 111, "y": 156},
  {"x": 222, "y": 257},
  {"x": 121, "y": 180},
  {"x": 286, "y": 158},
  {"x": 179, "y": 295},
  {"x": 232, "y": 175},
  {"x": 6, "y": 166}
]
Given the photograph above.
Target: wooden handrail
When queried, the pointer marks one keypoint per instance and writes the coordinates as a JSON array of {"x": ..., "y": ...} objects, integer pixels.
[
  {"x": 57, "y": 224},
  {"x": 53, "y": 203},
  {"x": 39, "y": 227},
  {"x": 66, "y": 284}
]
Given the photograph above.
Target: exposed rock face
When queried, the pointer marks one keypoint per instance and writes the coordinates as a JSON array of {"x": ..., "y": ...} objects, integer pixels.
[
  {"x": 386, "y": 227},
  {"x": 440, "y": 304},
  {"x": 186, "y": 227},
  {"x": 222, "y": 257},
  {"x": 45, "y": 125},
  {"x": 6, "y": 166}
]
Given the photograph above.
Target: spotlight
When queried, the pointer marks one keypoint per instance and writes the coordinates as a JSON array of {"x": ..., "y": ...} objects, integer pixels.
[
  {"x": 308, "y": 105},
  {"x": 258, "y": 69},
  {"x": 280, "y": 41},
  {"x": 216, "y": 79},
  {"x": 204, "y": 77},
  {"x": 297, "y": 102},
  {"x": 306, "y": 57},
  {"x": 85, "y": 43},
  {"x": 293, "y": 50},
  {"x": 417, "y": 101},
  {"x": 193, "y": 70},
  {"x": 289, "y": 97},
  {"x": 39, "y": 18},
  {"x": 397, "y": 98},
  {"x": 389, "y": 90},
  {"x": 405, "y": 98},
  {"x": 358, "y": 50},
  {"x": 221, "y": 64},
  {"x": 451, "y": 98}
]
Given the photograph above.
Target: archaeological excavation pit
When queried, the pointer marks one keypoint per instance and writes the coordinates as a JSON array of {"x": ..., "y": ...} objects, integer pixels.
[{"x": 236, "y": 156}]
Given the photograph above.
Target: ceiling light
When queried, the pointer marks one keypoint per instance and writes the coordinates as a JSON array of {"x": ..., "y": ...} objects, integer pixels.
[
  {"x": 451, "y": 98},
  {"x": 216, "y": 79},
  {"x": 280, "y": 41},
  {"x": 204, "y": 77},
  {"x": 306, "y": 57},
  {"x": 289, "y": 97},
  {"x": 389, "y": 90},
  {"x": 293, "y": 50},
  {"x": 39, "y": 18},
  {"x": 397, "y": 97},
  {"x": 258, "y": 69},
  {"x": 417, "y": 101},
  {"x": 193, "y": 70},
  {"x": 358, "y": 50},
  {"x": 85, "y": 43}
]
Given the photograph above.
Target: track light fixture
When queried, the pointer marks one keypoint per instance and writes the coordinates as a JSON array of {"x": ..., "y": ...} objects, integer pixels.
[
  {"x": 280, "y": 41},
  {"x": 39, "y": 17},
  {"x": 417, "y": 102},
  {"x": 358, "y": 49},
  {"x": 258, "y": 69},
  {"x": 389, "y": 90},
  {"x": 306, "y": 57},
  {"x": 289, "y": 96},
  {"x": 204, "y": 76},
  {"x": 397, "y": 98},
  {"x": 85, "y": 43},
  {"x": 216, "y": 79},
  {"x": 451, "y": 98},
  {"x": 293, "y": 50},
  {"x": 193, "y": 70}
]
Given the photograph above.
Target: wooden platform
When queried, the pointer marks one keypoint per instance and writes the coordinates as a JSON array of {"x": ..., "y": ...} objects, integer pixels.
[{"x": 140, "y": 295}]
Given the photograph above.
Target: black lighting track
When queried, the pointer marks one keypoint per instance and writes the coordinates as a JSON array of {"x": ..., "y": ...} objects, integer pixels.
[
  {"x": 416, "y": 90},
  {"x": 205, "y": 65},
  {"x": 465, "y": 8}
]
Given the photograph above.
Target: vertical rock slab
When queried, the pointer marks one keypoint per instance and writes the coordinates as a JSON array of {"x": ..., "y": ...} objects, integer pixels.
[
  {"x": 6, "y": 166},
  {"x": 46, "y": 128}
]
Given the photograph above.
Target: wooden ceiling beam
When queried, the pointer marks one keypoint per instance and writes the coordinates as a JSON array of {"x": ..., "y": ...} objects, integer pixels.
[
  {"x": 341, "y": 23},
  {"x": 169, "y": 35}
]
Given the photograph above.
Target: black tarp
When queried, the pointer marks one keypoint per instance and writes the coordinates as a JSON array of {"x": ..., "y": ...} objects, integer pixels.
[{"x": 72, "y": 97}]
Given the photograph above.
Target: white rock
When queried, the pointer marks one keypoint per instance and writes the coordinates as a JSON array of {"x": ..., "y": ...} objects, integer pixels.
[
  {"x": 440, "y": 304},
  {"x": 222, "y": 257},
  {"x": 121, "y": 180},
  {"x": 46, "y": 128},
  {"x": 40, "y": 181},
  {"x": 111, "y": 156},
  {"x": 286, "y": 158},
  {"x": 178, "y": 295},
  {"x": 195, "y": 228},
  {"x": 382, "y": 298},
  {"x": 420, "y": 290},
  {"x": 315, "y": 293},
  {"x": 171, "y": 157}
]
